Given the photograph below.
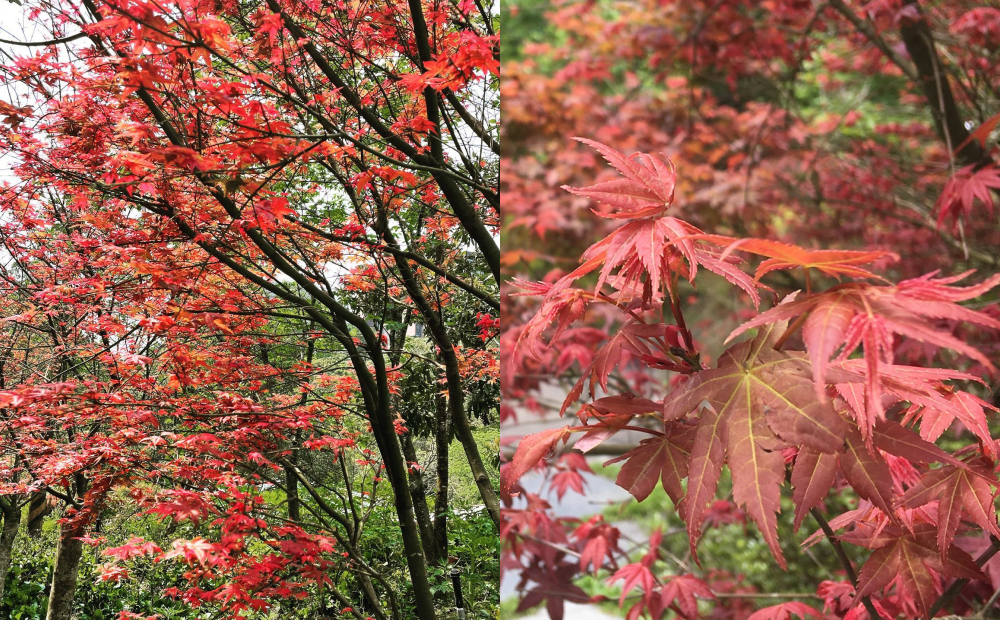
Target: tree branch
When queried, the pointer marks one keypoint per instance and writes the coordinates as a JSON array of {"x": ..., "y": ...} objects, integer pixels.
[
  {"x": 844, "y": 560},
  {"x": 919, "y": 41},
  {"x": 948, "y": 595}
]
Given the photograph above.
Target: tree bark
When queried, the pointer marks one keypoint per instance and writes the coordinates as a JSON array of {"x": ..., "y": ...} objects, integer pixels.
[
  {"x": 292, "y": 494},
  {"x": 442, "y": 438},
  {"x": 38, "y": 508},
  {"x": 11, "y": 523},
  {"x": 419, "y": 493},
  {"x": 919, "y": 41},
  {"x": 65, "y": 574},
  {"x": 291, "y": 480}
]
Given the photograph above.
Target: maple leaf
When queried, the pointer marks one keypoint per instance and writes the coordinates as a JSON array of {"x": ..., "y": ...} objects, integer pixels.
[
  {"x": 898, "y": 440},
  {"x": 639, "y": 574},
  {"x": 635, "y": 575},
  {"x": 837, "y": 596},
  {"x": 186, "y": 505},
  {"x": 761, "y": 400},
  {"x": 135, "y": 547},
  {"x": 563, "y": 481},
  {"x": 967, "y": 186},
  {"x": 643, "y": 254},
  {"x": 663, "y": 458},
  {"x": 530, "y": 450},
  {"x": 14, "y": 116},
  {"x": 970, "y": 410},
  {"x": 867, "y": 471},
  {"x": 682, "y": 592},
  {"x": 823, "y": 333},
  {"x": 863, "y": 315},
  {"x": 812, "y": 478},
  {"x": 780, "y": 255},
  {"x": 785, "y": 611},
  {"x": 651, "y": 245},
  {"x": 959, "y": 492},
  {"x": 196, "y": 550},
  {"x": 633, "y": 338},
  {"x": 609, "y": 425},
  {"x": 647, "y": 187},
  {"x": 561, "y": 307},
  {"x": 554, "y": 587},
  {"x": 916, "y": 566},
  {"x": 601, "y": 541},
  {"x": 271, "y": 212}
]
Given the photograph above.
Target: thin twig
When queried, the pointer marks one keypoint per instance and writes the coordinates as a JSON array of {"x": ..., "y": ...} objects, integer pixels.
[{"x": 844, "y": 560}]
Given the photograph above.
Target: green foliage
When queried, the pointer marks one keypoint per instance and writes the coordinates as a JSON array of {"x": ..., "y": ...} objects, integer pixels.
[
  {"x": 28, "y": 583},
  {"x": 475, "y": 544},
  {"x": 464, "y": 493},
  {"x": 26, "y": 594}
]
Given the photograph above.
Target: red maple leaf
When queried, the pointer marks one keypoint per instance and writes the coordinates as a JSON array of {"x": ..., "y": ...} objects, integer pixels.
[
  {"x": 646, "y": 189},
  {"x": 914, "y": 564},
  {"x": 785, "y": 611},
  {"x": 964, "y": 189},
  {"x": 663, "y": 458},
  {"x": 960, "y": 493}
]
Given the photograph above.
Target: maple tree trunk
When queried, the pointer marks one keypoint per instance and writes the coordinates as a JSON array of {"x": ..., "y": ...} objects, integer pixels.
[
  {"x": 453, "y": 379},
  {"x": 11, "y": 523},
  {"x": 65, "y": 574},
  {"x": 441, "y": 442},
  {"x": 292, "y": 493},
  {"x": 919, "y": 41},
  {"x": 418, "y": 491},
  {"x": 38, "y": 508},
  {"x": 383, "y": 428},
  {"x": 291, "y": 480}
]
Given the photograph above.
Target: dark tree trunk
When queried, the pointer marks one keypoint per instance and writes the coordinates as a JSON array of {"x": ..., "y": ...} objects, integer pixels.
[
  {"x": 11, "y": 523},
  {"x": 65, "y": 573},
  {"x": 442, "y": 438},
  {"x": 291, "y": 480},
  {"x": 933, "y": 79},
  {"x": 292, "y": 494},
  {"x": 419, "y": 493},
  {"x": 38, "y": 508}
]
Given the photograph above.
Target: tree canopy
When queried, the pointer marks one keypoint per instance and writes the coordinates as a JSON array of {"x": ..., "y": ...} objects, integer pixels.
[{"x": 235, "y": 234}]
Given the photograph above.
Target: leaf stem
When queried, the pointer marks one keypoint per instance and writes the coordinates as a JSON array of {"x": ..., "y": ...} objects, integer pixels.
[
  {"x": 844, "y": 560},
  {"x": 675, "y": 308},
  {"x": 791, "y": 329}
]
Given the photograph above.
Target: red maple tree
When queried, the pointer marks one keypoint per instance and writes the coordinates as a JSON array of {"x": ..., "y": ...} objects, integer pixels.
[{"x": 220, "y": 223}]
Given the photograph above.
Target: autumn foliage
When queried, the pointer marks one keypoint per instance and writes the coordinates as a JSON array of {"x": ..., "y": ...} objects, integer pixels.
[
  {"x": 753, "y": 244},
  {"x": 248, "y": 303},
  {"x": 840, "y": 408}
]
